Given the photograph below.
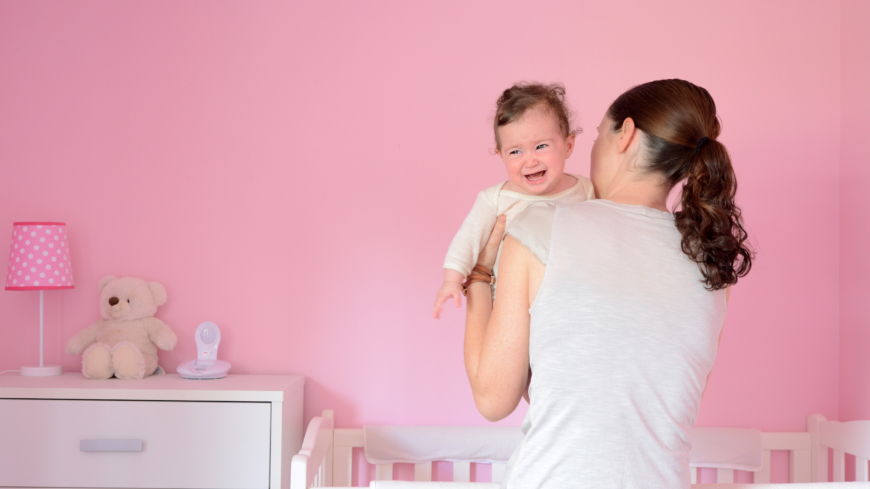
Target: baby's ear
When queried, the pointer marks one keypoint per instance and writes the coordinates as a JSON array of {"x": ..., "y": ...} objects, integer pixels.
[
  {"x": 570, "y": 140},
  {"x": 159, "y": 293},
  {"x": 105, "y": 281}
]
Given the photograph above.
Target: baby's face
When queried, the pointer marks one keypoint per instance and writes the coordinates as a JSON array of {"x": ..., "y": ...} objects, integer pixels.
[{"x": 534, "y": 152}]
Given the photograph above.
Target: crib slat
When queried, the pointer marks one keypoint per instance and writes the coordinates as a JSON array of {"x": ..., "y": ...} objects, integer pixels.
[
  {"x": 839, "y": 466},
  {"x": 694, "y": 472},
  {"x": 423, "y": 472},
  {"x": 820, "y": 464},
  {"x": 384, "y": 472},
  {"x": 861, "y": 474},
  {"x": 498, "y": 472},
  {"x": 342, "y": 459},
  {"x": 461, "y": 472},
  {"x": 326, "y": 469},
  {"x": 763, "y": 475},
  {"x": 725, "y": 476},
  {"x": 800, "y": 466}
]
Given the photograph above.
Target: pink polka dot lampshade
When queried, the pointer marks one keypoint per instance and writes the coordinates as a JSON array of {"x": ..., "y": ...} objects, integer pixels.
[{"x": 39, "y": 257}]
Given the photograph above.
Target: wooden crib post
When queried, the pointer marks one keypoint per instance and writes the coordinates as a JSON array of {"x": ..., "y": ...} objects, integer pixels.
[{"x": 819, "y": 455}]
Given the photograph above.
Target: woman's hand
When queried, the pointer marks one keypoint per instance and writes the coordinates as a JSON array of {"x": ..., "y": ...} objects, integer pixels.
[{"x": 489, "y": 252}]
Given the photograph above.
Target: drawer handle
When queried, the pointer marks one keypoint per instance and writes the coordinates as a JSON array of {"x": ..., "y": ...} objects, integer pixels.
[{"x": 110, "y": 446}]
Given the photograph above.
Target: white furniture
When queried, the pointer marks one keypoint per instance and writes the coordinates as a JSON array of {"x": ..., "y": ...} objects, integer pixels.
[
  {"x": 159, "y": 432},
  {"x": 851, "y": 437},
  {"x": 326, "y": 458}
]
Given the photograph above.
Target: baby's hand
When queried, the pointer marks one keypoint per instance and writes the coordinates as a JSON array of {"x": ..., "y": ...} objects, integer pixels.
[{"x": 448, "y": 290}]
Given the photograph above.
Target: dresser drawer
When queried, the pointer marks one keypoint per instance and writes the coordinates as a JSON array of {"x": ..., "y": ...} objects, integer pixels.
[{"x": 184, "y": 444}]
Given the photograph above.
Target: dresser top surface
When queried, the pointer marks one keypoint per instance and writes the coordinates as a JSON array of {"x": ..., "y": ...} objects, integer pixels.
[{"x": 168, "y": 387}]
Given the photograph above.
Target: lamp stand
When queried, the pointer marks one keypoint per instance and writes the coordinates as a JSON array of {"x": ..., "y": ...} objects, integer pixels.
[{"x": 41, "y": 370}]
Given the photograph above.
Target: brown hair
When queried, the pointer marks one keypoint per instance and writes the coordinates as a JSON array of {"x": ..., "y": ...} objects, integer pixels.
[
  {"x": 680, "y": 127},
  {"x": 516, "y": 100}
]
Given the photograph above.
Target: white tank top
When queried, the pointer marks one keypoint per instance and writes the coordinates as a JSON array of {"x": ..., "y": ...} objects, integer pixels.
[{"x": 622, "y": 337}]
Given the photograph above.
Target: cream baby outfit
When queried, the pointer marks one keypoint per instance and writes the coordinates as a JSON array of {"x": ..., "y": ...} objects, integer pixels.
[
  {"x": 622, "y": 337},
  {"x": 493, "y": 202}
]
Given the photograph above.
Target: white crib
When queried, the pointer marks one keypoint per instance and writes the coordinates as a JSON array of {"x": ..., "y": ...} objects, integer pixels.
[{"x": 326, "y": 458}]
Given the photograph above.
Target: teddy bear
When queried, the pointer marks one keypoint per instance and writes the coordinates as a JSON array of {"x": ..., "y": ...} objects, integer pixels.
[{"x": 124, "y": 343}]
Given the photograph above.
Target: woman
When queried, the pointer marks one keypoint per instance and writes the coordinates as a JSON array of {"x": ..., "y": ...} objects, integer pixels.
[{"x": 615, "y": 304}]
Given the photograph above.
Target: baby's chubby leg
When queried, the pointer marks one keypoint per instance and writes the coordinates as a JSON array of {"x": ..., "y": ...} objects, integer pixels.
[{"x": 451, "y": 288}]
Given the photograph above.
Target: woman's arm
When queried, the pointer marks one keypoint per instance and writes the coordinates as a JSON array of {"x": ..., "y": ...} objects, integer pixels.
[
  {"x": 719, "y": 342},
  {"x": 497, "y": 340}
]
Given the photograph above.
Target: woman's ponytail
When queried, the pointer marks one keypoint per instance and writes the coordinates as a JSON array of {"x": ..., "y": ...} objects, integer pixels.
[
  {"x": 709, "y": 220},
  {"x": 680, "y": 126}
]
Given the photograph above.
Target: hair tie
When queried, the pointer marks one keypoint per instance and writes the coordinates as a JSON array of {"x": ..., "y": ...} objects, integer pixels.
[{"x": 701, "y": 143}]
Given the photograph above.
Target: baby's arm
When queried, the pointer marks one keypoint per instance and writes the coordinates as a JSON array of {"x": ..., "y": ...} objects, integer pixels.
[
  {"x": 463, "y": 251},
  {"x": 450, "y": 289}
]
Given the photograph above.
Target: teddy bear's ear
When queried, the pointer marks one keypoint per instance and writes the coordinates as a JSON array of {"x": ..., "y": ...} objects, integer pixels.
[
  {"x": 159, "y": 293},
  {"x": 105, "y": 281}
]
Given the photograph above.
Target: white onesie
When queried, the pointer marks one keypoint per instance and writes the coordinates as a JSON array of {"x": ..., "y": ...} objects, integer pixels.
[{"x": 493, "y": 202}]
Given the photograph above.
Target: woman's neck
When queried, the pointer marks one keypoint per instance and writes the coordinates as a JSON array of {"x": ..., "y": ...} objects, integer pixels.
[{"x": 642, "y": 192}]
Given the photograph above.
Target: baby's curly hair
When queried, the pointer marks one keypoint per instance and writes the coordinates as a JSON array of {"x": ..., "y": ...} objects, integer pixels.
[{"x": 519, "y": 98}]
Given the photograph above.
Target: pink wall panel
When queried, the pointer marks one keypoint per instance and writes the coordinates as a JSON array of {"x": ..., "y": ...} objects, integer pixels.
[
  {"x": 294, "y": 171},
  {"x": 854, "y": 202}
]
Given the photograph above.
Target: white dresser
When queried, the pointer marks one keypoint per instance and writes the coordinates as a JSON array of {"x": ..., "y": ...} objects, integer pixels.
[{"x": 159, "y": 432}]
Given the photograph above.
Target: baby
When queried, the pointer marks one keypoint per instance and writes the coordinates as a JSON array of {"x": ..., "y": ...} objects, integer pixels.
[{"x": 533, "y": 139}]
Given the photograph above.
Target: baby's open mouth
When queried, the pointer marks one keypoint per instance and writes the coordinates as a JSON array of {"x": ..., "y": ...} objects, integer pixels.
[{"x": 534, "y": 177}]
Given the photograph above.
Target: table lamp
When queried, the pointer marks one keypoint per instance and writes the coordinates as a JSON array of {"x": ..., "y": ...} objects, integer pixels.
[{"x": 39, "y": 260}]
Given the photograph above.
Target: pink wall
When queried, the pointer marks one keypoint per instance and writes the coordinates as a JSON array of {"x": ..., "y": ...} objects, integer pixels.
[
  {"x": 854, "y": 202},
  {"x": 294, "y": 171}
]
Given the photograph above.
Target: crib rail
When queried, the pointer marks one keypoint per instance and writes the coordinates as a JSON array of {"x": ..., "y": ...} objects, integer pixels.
[
  {"x": 799, "y": 446},
  {"x": 326, "y": 457},
  {"x": 851, "y": 437},
  {"x": 347, "y": 439}
]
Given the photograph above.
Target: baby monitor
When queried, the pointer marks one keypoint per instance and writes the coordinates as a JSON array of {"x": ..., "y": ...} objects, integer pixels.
[{"x": 206, "y": 365}]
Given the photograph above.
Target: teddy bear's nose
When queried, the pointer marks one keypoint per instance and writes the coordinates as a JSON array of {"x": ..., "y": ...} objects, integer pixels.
[{"x": 113, "y": 301}]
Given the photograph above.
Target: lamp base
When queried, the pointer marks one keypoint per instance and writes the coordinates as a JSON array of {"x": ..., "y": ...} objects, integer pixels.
[{"x": 46, "y": 371}]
